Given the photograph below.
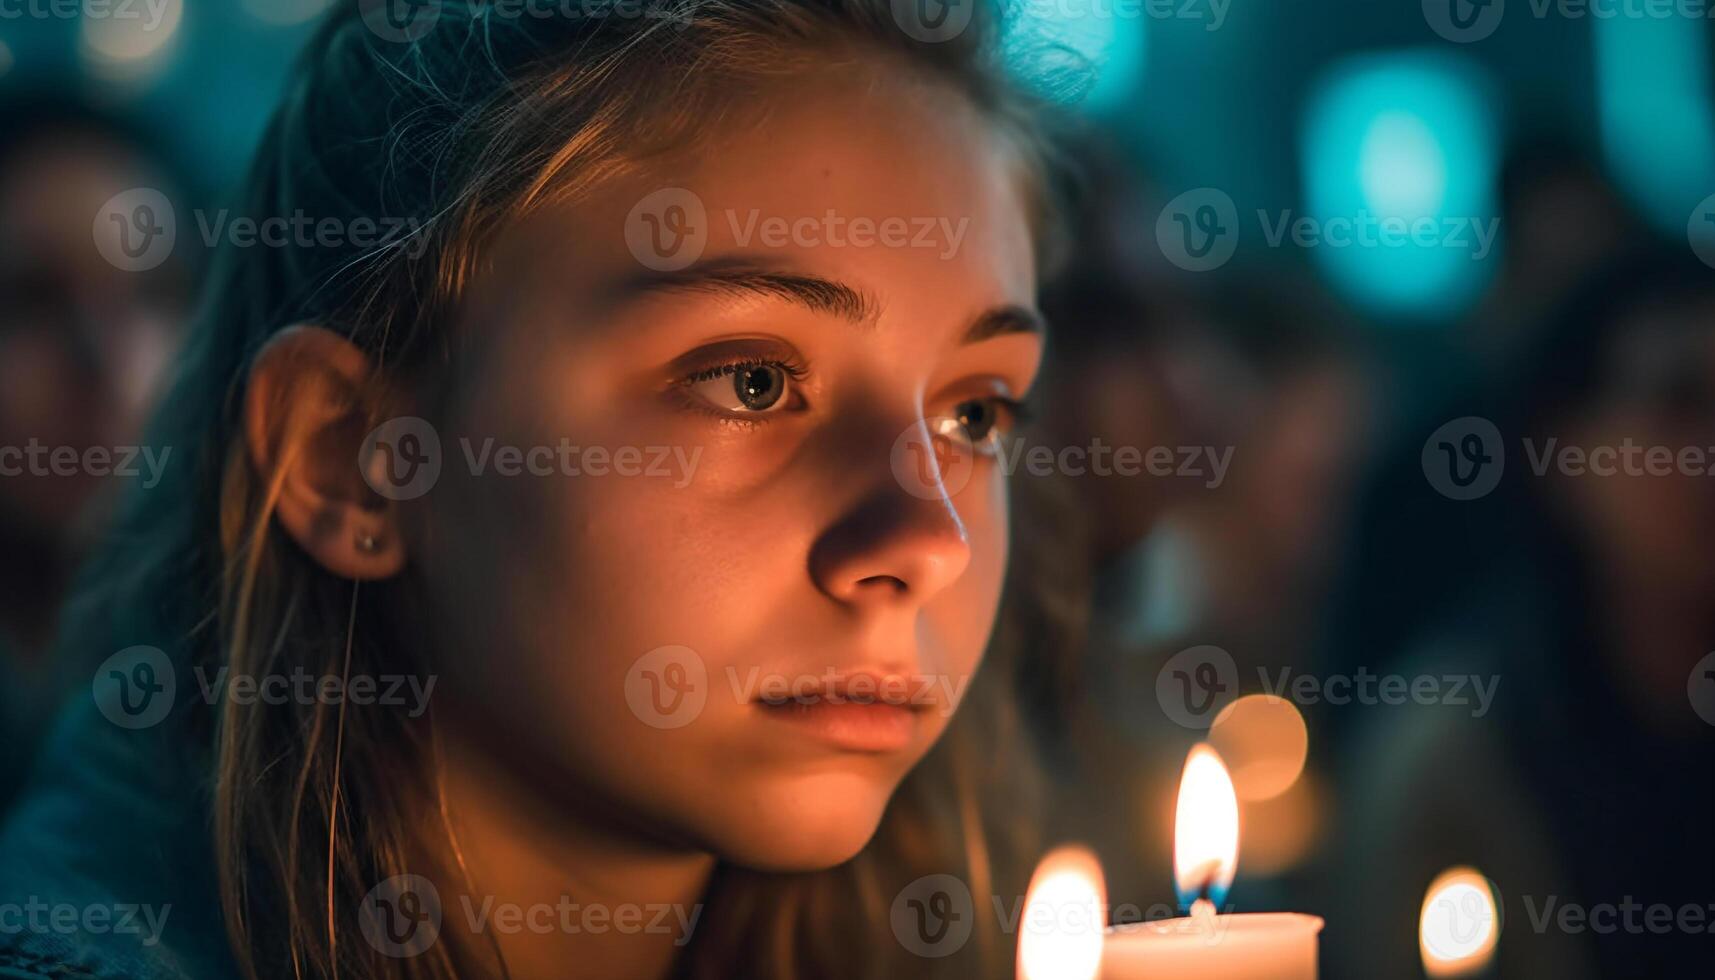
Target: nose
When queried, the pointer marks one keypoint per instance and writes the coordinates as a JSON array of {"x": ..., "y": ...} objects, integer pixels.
[{"x": 892, "y": 548}]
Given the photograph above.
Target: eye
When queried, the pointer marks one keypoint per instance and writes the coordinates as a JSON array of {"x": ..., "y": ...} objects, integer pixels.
[
  {"x": 745, "y": 389},
  {"x": 981, "y": 422}
]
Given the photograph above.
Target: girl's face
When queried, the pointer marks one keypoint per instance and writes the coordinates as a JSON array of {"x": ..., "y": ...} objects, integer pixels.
[{"x": 689, "y": 567}]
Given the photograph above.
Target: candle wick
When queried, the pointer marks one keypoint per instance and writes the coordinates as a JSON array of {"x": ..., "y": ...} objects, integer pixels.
[{"x": 1203, "y": 915}]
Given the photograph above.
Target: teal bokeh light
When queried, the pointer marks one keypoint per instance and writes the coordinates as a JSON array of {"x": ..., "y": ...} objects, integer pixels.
[
  {"x": 1403, "y": 144},
  {"x": 1658, "y": 129},
  {"x": 1089, "y": 53}
]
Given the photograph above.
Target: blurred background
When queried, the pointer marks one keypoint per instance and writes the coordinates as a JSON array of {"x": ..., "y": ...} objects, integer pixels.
[{"x": 1408, "y": 312}]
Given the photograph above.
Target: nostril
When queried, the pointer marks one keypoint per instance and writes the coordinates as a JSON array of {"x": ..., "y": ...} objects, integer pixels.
[{"x": 897, "y": 584}]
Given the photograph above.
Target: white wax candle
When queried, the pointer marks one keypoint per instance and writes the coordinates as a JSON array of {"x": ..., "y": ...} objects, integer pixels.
[{"x": 1206, "y": 946}]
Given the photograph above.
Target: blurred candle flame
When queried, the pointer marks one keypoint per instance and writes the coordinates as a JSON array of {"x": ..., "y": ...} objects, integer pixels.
[
  {"x": 1459, "y": 927},
  {"x": 1205, "y": 829},
  {"x": 1064, "y": 918}
]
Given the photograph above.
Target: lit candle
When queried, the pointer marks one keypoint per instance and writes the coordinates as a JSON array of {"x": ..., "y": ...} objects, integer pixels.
[
  {"x": 1205, "y": 945},
  {"x": 1065, "y": 915},
  {"x": 1460, "y": 925}
]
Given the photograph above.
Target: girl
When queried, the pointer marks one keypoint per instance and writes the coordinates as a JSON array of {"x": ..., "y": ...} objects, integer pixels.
[{"x": 583, "y": 518}]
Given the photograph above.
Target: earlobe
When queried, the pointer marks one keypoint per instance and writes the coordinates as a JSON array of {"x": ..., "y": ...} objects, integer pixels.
[{"x": 307, "y": 408}]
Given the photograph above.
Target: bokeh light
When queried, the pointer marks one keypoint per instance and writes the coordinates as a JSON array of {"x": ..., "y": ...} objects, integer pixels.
[
  {"x": 1082, "y": 51},
  {"x": 1061, "y": 930},
  {"x": 1407, "y": 138},
  {"x": 1657, "y": 124},
  {"x": 130, "y": 47},
  {"x": 1264, "y": 742},
  {"x": 1460, "y": 926}
]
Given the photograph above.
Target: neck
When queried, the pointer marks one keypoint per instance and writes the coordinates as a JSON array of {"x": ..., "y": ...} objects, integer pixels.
[{"x": 560, "y": 895}]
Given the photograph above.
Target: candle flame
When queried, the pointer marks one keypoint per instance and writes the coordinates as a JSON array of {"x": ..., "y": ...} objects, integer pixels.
[
  {"x": 1459, "y": 927},
  {"x": 1064, "y": 918},
  {"x": 1205, "y": 829}
]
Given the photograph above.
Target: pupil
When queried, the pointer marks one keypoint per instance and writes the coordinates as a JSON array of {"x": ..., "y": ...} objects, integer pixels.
[
  {"x": 975, "y": 417},
  {"x": 759, "y": 387}
]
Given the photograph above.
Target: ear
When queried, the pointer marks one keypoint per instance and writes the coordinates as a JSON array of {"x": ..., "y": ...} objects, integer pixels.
[{"x": 306, "y": 412}]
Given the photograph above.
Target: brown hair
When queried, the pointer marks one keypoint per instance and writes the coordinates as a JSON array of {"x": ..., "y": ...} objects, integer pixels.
[{"x": 478, "y": 122}]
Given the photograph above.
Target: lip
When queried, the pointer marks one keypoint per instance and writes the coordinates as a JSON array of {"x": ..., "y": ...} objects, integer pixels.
[{"x": 850, "y": 725}]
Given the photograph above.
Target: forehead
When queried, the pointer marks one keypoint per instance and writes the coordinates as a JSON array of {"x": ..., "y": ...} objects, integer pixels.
[{"x": 901, "y": 188}]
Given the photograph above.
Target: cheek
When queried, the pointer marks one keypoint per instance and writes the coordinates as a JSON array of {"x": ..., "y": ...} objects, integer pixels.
[{"x": 964, "y": 615}]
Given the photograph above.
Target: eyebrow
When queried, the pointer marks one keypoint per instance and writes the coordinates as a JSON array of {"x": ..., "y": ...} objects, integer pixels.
[{"x": 820, "y": 295}]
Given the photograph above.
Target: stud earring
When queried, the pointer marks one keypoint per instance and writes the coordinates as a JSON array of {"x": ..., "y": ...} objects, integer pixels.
[{"x": 367, "y": 542}]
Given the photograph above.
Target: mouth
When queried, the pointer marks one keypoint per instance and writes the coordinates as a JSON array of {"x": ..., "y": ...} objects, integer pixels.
[{"x": 872, "y": 719}]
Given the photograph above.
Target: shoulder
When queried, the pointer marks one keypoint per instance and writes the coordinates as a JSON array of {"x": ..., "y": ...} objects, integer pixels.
[{"x": 105, "y": 863}]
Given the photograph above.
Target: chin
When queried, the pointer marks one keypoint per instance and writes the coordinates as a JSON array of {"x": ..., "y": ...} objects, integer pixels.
[{"x": 808, "y": 824}]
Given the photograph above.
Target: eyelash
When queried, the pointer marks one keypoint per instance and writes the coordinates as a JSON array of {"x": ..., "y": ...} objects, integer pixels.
[
  {"x": 796, "y": 370},
  {"x": 1015, "y": 413}
]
